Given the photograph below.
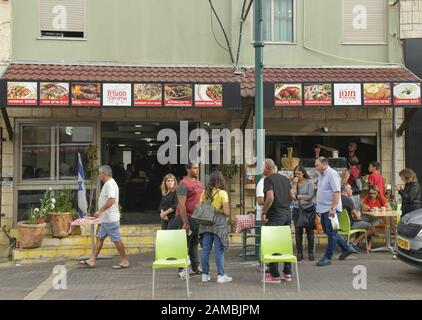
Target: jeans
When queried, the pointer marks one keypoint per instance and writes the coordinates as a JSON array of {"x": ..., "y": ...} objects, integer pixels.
[
  {"x": 283, "y": 220},
  {"x": 177, "y": 223},
  {"x": 333, "y": 238},
  {"x": 208, "y": 239}
]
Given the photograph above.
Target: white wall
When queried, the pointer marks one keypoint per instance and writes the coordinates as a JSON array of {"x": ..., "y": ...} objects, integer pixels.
[{"x": 410, "y": 19}]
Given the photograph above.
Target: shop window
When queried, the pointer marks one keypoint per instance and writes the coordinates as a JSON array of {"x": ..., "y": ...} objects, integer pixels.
[
  {"x": 50, "y": 152},
  {"x": 278, "y": 24},
  {"x": 62, "y": 18},
  {"x": 364, "y": 21},
  {"x": 37, "y": 154},
  {"x": 73, "y": 140}
]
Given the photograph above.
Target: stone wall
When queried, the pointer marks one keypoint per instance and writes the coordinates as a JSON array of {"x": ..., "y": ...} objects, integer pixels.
[
  {"x": 410, "y": 19},
  {"x": 5, "y": 32}
]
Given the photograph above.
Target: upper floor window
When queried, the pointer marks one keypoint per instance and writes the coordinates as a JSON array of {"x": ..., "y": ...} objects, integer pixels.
[
  {"x": 365, "y": 21},
  {"x": 62, "y": 18},
  {"x": 278, "y": 24}
]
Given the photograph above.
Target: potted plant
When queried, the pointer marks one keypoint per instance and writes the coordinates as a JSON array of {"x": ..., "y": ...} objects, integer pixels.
[
  {"x": 31, "y": 231},
  {"x": 62, "y": 214}
]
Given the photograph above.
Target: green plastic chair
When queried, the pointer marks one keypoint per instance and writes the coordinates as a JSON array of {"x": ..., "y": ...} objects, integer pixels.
[
  {"x": 277, "y": 246},
  {"x": 345, "y": 228},
  {"x": 171, "y": 251}
]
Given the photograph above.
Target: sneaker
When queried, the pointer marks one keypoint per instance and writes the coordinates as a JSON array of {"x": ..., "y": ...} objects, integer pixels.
[
  {"x": 205, "y": 277},
  {"x": 344, "y": 255},
  {"x": 352, "y": 249},
  {"x": 196, "y": 272},
  {"x": 224, "y": 279},
  {"x": 286, "y": 277},
  {"x": 182, "y": 275},
  {"x": 270, "y": 279},
  {"x": 323, "y": 262},
  {"x": 311, "y": 257},
  {"x": 356, "y": 247}
]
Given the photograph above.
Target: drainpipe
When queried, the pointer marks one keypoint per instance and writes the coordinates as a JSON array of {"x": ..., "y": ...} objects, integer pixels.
[{"x": 393, "y": 159}]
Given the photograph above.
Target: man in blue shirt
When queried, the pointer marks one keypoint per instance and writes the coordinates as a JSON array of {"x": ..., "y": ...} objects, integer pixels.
[{"x": 328, "y": 204}]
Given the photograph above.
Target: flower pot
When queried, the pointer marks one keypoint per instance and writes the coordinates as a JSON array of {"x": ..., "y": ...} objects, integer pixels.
[
  {"x": 30, "y": 235},
  {"x": 60, "y": 224}
]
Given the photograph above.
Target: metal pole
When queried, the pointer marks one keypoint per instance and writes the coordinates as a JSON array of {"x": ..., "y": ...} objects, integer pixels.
[
  {"x": 393, "y": 159},
  {"x": 259, "y": 104}
]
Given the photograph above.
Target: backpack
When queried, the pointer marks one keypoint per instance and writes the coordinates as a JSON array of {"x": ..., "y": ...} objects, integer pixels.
[{"x": 204, "y": 213}]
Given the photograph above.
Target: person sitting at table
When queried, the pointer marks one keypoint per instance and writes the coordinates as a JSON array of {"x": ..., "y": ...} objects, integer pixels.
[
  {"x": 375, "y": 199},
  {"x": 357, "y": 220}
]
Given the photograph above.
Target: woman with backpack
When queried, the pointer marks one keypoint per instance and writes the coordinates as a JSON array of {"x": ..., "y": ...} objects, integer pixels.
[{"x": 218, "y": 233}]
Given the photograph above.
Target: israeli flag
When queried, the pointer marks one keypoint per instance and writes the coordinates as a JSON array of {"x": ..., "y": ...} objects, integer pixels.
[{"x": 82, "y": 203}]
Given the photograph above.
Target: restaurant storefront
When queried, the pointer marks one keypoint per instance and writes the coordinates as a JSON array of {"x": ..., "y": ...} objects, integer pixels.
[{"x": 56, "y": 111}]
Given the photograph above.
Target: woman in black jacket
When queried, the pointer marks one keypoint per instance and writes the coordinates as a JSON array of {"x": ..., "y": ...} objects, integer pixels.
[
  {"x": 411, "y": 194},
  {"x": 168, "y": 201}
]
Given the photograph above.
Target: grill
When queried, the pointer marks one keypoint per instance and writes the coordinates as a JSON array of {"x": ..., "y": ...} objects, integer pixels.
[{"x": 408, "y": 231}]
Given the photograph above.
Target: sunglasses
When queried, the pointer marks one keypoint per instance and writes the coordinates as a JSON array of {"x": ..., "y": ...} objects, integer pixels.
[{"x": 373, "y": 192}]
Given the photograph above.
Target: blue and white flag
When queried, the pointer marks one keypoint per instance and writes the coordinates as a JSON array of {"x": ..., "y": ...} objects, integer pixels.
[{"x": 82, "y": 203}]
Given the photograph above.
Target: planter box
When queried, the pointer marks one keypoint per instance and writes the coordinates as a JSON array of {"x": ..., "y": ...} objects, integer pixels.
[{"x": 30, "y": 235}]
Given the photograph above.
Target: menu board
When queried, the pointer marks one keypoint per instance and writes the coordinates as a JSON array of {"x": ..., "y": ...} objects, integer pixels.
[
  {"x": 376, "y": 94},
  {"x": 318, "y": 94},
  {"x": 347, "y": 94},
  {"x": 209, "y": 95},
  {"x": 407, "y": 94},
  {"x": 179, "y": 95},
  {"x": 287, "y": 94},
  {"x": 117, "y": 94},
  {"x": 86, "y": 94},
  {"x": 54, "y": 94},
  {"x": 22, "y": 93},
  {"x": 147, "y": 94}
]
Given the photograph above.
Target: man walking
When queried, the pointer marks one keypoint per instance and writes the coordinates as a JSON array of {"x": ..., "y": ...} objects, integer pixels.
[
  {"x": 108, "y": 212},
  {"x": 328, "y": 204},
  {"x": 276, "y": 212},
  {"x": 188, "y": 193}
]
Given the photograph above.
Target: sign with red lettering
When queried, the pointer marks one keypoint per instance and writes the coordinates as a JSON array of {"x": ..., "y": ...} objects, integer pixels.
[
  {"x": 208, "y": 95},
  {"x": 178, "y": 95},
  {"x": 347, "y": 94},
  {"x": 117, "y": 94},
  {"x": 407, "y": 94},
  {"x": 376, "y": 94},
  {"x": 22, "y": 93}
]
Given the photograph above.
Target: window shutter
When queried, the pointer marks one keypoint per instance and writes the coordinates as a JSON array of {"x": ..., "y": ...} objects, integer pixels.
[
  {"x": 376, "y": 21},
  {"x": 75, "y": 15}
]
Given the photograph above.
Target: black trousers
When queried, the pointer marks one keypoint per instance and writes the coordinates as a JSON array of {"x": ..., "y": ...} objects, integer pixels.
[
  {"x": 299, "y": 235},
  {"x": 282, "y": 220},
  {"x": 193, "y": 240}
]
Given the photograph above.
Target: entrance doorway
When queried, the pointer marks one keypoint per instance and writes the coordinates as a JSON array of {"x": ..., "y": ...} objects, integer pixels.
[{"x": 130, "y": 148}]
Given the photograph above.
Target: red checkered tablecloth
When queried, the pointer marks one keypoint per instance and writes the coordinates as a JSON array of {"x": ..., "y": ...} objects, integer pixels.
[
  {"x": 244, "y": 222},
  {"x": 85, "y": 220}
]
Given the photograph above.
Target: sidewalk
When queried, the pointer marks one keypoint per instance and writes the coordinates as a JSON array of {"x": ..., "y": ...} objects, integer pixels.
[{"x": 387, "y": 279}]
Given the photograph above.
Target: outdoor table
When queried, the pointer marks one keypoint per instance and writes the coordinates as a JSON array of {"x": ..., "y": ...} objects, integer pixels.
[
  {"x": 387, "y": 214},
  {"x": 91, "y": 221}
]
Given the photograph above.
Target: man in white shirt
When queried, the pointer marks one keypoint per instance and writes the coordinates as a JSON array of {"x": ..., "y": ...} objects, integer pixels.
[{"x": 108, "y": 212}]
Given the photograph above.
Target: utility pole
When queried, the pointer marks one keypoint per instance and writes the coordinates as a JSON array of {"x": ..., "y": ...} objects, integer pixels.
[{"x": 259, "y": 110}]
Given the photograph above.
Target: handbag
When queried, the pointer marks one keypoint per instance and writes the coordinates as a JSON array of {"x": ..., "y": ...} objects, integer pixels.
[
  {"x": 306, "y": 218},
  {"x": 204, "y": 213}
]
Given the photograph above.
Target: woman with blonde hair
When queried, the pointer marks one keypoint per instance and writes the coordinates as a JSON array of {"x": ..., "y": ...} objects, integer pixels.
[
  {"x": 411, "y": 194},
  {"x": 168, "y": 201}
]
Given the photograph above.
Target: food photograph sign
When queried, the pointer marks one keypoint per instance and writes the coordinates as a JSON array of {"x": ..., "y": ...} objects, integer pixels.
[
  {"x": 318, "y": 94},
  {"x": 347, "y": 94},
  {"x": 288, "y": 94},
  {"x": 208, "y": 95},
  {"x": 147, "y": 94},
  {"x": 22, "y": 93},
  {"x": 407, "y": 94},
  {"x": 54, "y": 94},
  {"x": 86, "y": 94},
  {"x": 376, "y": 94},
  {"x": 178, "y": 95},
  {"x": 117, "y": 94}
]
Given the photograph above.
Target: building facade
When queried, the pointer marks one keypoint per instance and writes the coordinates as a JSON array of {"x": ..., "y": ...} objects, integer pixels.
[{"x": 135, "y": 42}]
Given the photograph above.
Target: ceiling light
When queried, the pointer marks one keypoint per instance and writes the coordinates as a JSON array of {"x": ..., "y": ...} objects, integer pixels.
[
  {"x": 138, "y": 125},
  {"x": 122, "y": 145},
  {"x": 148, "y": 139},
  {"x": 137, "y": 132}
]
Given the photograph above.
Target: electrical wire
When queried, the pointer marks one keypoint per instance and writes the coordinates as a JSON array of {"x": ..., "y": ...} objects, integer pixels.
[
  {"x": 213, "y": 33},
  {"x": 229, "y": 49},
  {"x": 236, "y": 66}
]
